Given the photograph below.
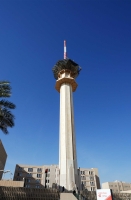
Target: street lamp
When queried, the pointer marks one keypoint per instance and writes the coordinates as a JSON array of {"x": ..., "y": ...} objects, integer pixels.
[{"x": 4, "y": 172}]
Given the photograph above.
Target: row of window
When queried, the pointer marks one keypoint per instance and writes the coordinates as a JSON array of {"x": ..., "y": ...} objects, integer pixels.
[
  {"x": 91, "y": 178},
  {"x": 93, "y": 188},
  {"x": 119, "y": 186},
  {"x": 28, "y": 180},
  {"x": 28, "y": 186},
  {"x": 38, "y": 170},
  {"x": 31, "y": 169},
  {"x": 91, "y": 183},
  {"x": 38, "y": 175},
  {"x": 89, "y": 172}
]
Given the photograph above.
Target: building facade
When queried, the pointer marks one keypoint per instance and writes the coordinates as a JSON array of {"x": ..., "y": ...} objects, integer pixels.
[
  {"x": 117, "y": 186},
  {"x": 3, "y": 157},
  {"x": 90, "y": 179},
  {"x": 47, "y": 176}
]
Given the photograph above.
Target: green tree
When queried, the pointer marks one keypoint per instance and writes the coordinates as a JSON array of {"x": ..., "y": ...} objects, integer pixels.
[{"x": 6, "y": 117}]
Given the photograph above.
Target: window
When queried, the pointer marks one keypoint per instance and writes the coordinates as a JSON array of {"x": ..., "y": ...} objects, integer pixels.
[
  {"x": 29, "y": 174},
  {"x": 48, "y": 181},
  {"x": 91, "y": 172},
  {"x": 37, "y": 186},
  {"x": 38, "y": 180},
  {"x": 30, "y": 169},
  {"x": 110, "y": 185},
  {"x": 20, "y": 168},
  {"x": 84, "y": 178},
  {"x": 19, "y": 174},
  {"x": 27, "y": 180},
  {"x": 38, "y": 175},
  {"x": 92, "y": 183},
  {"x": 27, "y": 186},
  {"x": 39, "y": 170},
  {"x": 91, "y": 178}
]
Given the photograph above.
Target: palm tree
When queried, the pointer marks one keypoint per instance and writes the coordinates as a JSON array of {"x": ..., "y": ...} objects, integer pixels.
[{"x": 6, "y": 117}]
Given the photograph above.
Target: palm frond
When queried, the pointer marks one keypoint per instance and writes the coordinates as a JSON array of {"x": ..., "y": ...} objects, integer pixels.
[
  {"x": 4, "y": 82},
  {"x": 4, "y": 129},
  {"x": 7, "y": 104},
  {"x": 6, "y": 117},
  {"x": 5, "y": 89},
  {"x": 6, "y": 120}
]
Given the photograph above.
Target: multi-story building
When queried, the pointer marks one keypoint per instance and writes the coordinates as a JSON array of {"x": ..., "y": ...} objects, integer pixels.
[
  {"x": 116, "y": 186},
  {"x": 90, "y": 179},
  {"x": 3, "y": 157},
  {"x": 48, "y": 176}
]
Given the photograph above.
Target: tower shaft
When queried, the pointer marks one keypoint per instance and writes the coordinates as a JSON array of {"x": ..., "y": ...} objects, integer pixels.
[{"x": 67, "y": 144}]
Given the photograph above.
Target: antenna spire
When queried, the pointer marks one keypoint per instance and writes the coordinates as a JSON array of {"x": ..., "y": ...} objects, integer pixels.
[{"x": 65, "y": 52}]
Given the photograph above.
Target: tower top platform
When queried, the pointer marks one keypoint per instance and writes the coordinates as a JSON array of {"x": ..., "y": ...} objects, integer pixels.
[{"x": 66, "y": 64}]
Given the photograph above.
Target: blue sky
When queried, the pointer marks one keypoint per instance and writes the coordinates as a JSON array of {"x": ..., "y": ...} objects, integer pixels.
[{"x": 98, "y": 35}]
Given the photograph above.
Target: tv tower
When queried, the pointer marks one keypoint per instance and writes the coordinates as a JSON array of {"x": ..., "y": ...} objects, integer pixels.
[{"x": 65, "y": 72}]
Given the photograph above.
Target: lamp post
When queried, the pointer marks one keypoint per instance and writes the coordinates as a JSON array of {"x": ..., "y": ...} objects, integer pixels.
[{"x": 4, "y": 172}]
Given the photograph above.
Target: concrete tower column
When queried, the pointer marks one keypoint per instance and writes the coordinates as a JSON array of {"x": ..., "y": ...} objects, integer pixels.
[{"x": 66, "y": 84}]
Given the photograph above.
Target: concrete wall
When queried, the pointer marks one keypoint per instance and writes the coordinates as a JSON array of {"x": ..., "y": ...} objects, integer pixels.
[
  {"x": 11, "y": 183},
  {"x": 3, "y": 157}
]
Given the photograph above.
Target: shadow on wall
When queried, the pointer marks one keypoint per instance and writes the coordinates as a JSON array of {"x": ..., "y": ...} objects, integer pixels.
[{"x": 98, "y": 182}]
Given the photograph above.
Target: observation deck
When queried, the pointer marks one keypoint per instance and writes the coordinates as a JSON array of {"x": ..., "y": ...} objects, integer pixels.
[{"x": 68, "y": 65}]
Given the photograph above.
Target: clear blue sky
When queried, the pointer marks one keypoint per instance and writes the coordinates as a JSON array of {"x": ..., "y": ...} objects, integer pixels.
[{"x": 98, "y": 35}]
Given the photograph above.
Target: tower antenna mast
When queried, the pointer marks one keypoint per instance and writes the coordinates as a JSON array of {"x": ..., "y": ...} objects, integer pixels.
[{"x": 65, "y": 52}]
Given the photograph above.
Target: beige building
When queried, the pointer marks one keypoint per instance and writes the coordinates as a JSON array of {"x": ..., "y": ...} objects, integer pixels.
[
  {"x": 47, "y": 176},
  {"x": 3, "y": 157},
  {"x": 117, "y": 186},
  {"x": 90, "y": 179},
  {"x": 10, "y": 183}
]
